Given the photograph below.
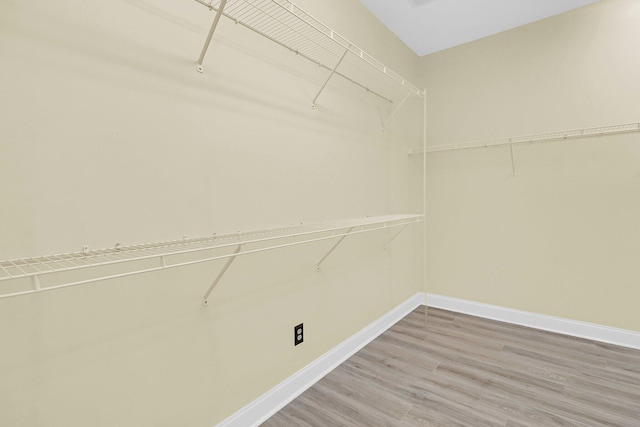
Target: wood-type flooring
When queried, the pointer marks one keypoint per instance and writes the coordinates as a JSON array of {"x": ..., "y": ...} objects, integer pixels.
[{"x": 468, "y": 371}]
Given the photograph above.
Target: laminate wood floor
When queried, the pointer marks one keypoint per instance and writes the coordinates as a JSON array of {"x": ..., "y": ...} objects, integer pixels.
[{"x": 467, "y": 371}]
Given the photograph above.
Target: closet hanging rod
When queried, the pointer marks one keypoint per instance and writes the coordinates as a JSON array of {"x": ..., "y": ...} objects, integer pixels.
[
  {"x": 530, "y": 139},
  {"x": 36, "y": 268},
  {"x": 286, "y": 24}
]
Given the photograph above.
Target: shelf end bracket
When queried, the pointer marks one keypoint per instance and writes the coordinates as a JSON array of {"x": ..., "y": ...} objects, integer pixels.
[{"x": 210, "y": 35}]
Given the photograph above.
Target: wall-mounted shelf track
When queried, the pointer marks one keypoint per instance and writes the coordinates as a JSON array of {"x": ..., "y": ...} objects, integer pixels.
[
  {"x": 291, "y": 27},
  {"x": 46, "y": 273}
]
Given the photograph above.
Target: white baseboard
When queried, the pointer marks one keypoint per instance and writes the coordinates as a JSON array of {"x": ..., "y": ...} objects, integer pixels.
[
  {"x": 560, "y": 325},
  {"x": 275, "y": 399}
]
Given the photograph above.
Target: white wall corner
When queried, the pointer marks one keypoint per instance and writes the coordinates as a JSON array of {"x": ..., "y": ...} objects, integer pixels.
[
  {"x": 544, "y": 322},
  {"x": 275, "y": 399}
]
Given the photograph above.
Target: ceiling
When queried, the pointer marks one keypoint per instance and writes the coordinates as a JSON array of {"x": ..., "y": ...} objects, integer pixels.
[{"x": 428, "y": 26}]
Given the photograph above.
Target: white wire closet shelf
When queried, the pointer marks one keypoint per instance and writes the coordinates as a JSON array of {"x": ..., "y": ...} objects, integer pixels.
[
  {"x": 286, "y": 24},
  {"x": 46, "y": 273},
  {"x": 530, "y": 139}
]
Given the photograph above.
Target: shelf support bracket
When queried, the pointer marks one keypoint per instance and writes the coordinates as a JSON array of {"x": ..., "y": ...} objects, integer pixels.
[
  {"x": 395, "y": 235},
  {"x": 216, "y": 19},
  {"x": 393, "y": 114},
  {"x": 313, "y": 103},
  {"x": 205, "y": 298},
  {"x": 333, "y": 248},
  {"x": 513, "y": 160}
]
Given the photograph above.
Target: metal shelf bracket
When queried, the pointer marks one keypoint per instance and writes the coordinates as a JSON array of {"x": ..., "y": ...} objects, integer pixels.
[
  {"x": 513, "y": 161},
  {"x": 394, "y": 236},
  {"x": 333, "y": 248},
  {"x": 205, "y": 298},
  {"x": 393, "y": 114},
  {"x": 216, "y": 19},
  {"x": 313, "y": 103}
]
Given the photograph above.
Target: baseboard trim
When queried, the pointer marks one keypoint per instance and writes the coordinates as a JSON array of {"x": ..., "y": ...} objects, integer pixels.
[
  {"x": 275, "y": 399},
  {"x": 544, "y": 322}
]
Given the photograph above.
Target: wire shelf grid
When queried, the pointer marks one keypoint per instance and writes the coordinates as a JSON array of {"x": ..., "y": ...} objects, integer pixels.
[
  {"x": 198, "y": 249},
  {"x": 288, "y": 25}
]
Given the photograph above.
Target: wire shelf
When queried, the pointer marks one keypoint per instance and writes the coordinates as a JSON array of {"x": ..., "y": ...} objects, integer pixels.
[
  {"x": 530, "y": 139},
  {"x": 150, "y": 257},
  {"x": 286, "y": 24}
]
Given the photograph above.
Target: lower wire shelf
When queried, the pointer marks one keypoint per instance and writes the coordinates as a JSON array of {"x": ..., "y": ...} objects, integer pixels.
[{"x": 47, "y": 273}]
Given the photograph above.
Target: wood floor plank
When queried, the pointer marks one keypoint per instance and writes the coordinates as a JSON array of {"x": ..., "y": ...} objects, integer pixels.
[
  {"x": 527, "y": 414},
  {"x": 462, "y": 370}
]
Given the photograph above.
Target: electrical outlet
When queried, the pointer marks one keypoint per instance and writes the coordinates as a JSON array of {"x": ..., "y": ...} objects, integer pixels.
[{"x": 298, "y": 334}]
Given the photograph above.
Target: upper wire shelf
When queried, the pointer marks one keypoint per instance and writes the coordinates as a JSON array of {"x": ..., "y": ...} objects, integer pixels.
[
  {"x": 286, "y": 24},
  {"x": 43, "y": 273}
]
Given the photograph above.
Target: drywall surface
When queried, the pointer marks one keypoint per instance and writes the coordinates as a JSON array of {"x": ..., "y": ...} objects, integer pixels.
[
  {"x": 109, "y": 135},
  {"x": 562, "y": 236}
]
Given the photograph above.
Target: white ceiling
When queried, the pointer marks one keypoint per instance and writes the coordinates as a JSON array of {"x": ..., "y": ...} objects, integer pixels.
[{"x": 428, "y": 26}]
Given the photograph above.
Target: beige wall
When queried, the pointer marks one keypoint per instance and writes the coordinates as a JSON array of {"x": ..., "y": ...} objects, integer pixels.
[
  {"x": 110, "y": 135},
  {"x": 562, "y": 236}
]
